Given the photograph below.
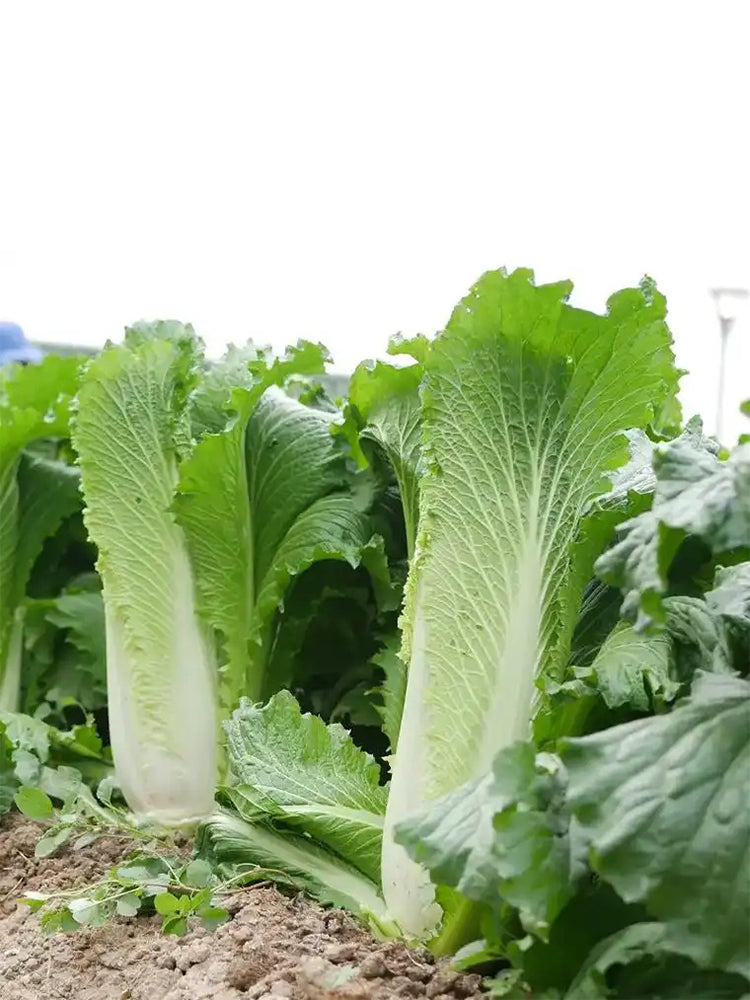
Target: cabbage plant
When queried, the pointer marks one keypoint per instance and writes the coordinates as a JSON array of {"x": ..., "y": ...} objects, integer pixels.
[
  {"x": 525, "y": 401},
  {"x": 207, "y": 491}
]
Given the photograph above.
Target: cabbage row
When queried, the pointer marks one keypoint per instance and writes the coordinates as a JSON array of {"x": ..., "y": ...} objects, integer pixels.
[{"x": 464, "y": 652}]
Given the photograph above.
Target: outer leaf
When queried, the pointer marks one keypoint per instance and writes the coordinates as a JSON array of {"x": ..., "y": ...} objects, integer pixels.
[
  {"x": 730, "y": 596},
  {"x": 79, "y": 672},
  {"x": 663, "y": 803},
  {"x": 704, "y": 496},
  {"x": 392, "y": 689},
  {"x": 47, "y": 493},
  {"x": 635, "y": 477},
  {"x": 260, "y": 502},
  {"x": 594, "y": 913},
  {"x": 621, "y": 948},
  {"x": 526, "y": 400},
  {"x": 311, "y": 775},
  {"x": 212, "y": 506},
  {"x": 331, "y": 528},
  {"x": 129, "y": 432},
  {"x": 632, "y": 669},
  {"x": 501, "y": 837},
  {"x": 41, "y": 393},
  {"x": 699, "y": 637},
  {"x": 630, "y": 494},
  {"x": 639, "y": 670},
  {"x": 696, "y": 494},
  {"x": 599, "y": 613},
  {"x": 634, "y": 963},
  {"x": 237, "y": 846},
  {"x": 387, "y": 400},
  {"x": 35, "y": 493}
]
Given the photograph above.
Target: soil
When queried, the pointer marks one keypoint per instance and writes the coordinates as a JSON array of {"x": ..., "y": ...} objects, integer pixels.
[{"x": 273, "y": 946}]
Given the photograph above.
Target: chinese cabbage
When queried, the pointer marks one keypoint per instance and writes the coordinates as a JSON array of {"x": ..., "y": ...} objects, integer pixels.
[{"x": 525, "y": 402}]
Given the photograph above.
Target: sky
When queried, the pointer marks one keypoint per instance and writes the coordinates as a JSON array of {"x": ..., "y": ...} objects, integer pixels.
[{"x": 344, "y": 171}]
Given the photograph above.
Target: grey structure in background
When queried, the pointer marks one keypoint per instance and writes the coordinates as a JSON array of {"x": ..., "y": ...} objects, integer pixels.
[
  {"x": 728, "y": 301},
  {"x": 64, "y": 349},
  {"x": 335, "y": 384}
]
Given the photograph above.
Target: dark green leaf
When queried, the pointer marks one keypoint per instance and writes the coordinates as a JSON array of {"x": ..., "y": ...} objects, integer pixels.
[
  {"x": 730, "y": 596},
  {"x": 634, "y": 963},
  {"x": 662, "y": 803},
  {"x": 697, "y": 494},
  {"x": 633, "y": 668},
  {"x": 501, "y": 837}
]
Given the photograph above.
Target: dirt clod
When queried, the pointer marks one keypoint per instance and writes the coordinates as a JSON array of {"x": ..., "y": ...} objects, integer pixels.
[
  {"x": 373, "y": 967},
  {"x": 273, "y": 947},
  {"x": 339, "y": 952}
]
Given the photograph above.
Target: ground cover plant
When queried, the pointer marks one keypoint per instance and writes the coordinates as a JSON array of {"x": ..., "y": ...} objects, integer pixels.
[{"x": 464, "y": 652}]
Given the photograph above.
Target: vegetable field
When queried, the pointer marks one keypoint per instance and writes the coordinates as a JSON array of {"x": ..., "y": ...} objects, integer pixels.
[{"x": 433, "y": 689}]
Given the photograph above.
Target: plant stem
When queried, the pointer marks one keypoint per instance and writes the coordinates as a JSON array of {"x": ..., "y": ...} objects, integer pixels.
[{"x": 458, "y": 929}]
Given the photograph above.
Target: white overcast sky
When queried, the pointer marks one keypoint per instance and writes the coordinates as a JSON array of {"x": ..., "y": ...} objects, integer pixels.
[{"x": 344, "y": 171}]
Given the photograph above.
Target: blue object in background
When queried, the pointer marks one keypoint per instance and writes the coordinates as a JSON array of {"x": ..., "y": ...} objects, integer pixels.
[{"x": 15, "y": 347}]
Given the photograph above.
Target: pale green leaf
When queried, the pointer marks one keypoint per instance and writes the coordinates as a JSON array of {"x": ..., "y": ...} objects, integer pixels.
[
  {"x": 312, "y": 776},
  {"x": 258, "y": 851},
  {"x": 52, "y": 841},
  {"x": 128, "y": 905}
]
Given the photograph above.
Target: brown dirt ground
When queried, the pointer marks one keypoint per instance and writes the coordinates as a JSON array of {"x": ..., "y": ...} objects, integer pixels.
[{"x": 272, "y": 947}]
